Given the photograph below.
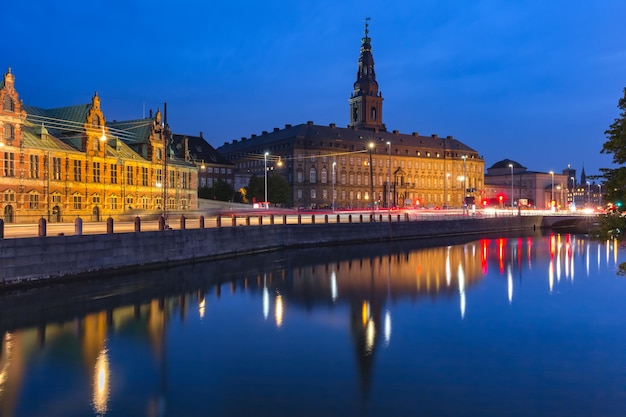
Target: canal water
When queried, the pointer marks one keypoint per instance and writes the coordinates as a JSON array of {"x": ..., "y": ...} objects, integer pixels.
[{"x": 501, "y": 326}]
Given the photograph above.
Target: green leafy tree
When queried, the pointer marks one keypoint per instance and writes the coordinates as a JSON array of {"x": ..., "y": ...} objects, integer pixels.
[
  {"x": 255, "y": 189},
  {"x": 615, "y": 178},
  {"x": 279, "y": 190},
  {"x": 221, "y": 191}
]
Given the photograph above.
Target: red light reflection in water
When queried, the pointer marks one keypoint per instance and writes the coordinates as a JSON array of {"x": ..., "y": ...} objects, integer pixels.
[{"x": 484, "y": 244}]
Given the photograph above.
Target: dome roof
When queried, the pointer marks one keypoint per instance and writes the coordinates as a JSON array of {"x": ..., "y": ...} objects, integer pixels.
[{"x": 505, "y": 163}]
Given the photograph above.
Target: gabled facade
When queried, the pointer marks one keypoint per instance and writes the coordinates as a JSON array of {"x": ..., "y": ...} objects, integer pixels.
[
  {"x": 362, "y": 165},
  {"x": 69, "y": 162}
]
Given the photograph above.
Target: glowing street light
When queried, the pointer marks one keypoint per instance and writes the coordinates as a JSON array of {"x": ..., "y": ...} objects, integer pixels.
[
  {"x": 511, "y": 166},
  {"x": 333, "y": 182},
  {"x": 265, "y": 165}
]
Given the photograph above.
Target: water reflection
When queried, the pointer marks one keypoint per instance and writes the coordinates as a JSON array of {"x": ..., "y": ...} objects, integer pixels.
[{"x": 367, "y": 285}]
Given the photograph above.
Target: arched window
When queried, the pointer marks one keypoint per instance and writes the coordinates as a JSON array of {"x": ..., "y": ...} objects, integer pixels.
[
  {"x": 312, "y": 175},
  {"x": 8, "y": 104},
  {"x": 96, "y": 120},
  {"x": 324, "y": 176},
  {"x": 374, "y": 113},
  {"x": 299, "y": 176}
]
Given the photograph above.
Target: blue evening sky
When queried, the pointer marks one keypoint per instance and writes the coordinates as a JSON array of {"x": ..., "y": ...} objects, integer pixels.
[{"x": 536, "y": 81}]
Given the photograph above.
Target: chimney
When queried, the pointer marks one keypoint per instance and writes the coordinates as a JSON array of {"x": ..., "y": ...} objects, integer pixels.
[
  {"x": 276, "y": 129},
  {"x": 332, "y": 125},
  {"x": 415, "y": 134},
  {"x": 434, "y": 136},
  {"x": 201, "y": 137}
]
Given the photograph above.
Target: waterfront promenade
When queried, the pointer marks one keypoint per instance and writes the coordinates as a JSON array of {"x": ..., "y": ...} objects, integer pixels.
[{"x": 61, "y": 255}]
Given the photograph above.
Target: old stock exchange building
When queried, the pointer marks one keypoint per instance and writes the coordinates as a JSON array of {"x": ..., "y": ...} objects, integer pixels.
[
  {"x": 67, "y": 162},
  {"x": 363, "y": 162}
]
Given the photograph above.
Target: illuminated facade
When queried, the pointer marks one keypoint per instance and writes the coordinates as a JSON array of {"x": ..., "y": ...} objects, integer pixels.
[
  {"x": 63, "y": 163},
  {"x": 363, "y": 163}
]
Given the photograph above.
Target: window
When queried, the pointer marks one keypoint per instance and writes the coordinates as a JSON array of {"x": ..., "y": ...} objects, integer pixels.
[
  {"x": 129, "y": 175},
  {"x": 8, "y": 104},
  {"x": 113, "y": 202},
  {"x": 33, "y": 201},
  {"x": 78, "y": 174},
  {"x": 313, "y": 194},
  {"x": 299, "y": 176},
  {"x": 34, "y": 166},
  {"x": 56, "y": 198},
  {"x": 343, "y": 178},
  {"x": 312, "y": 175},
  {"x": 325, "y": 194},
  {"x": 130, "y": 201},
  {"x": 324, "y": 176},
  {"x": 113, "y": 173},
  {"x": 9, "y": 132},
  {"x": 9, "y": 197},
  {"x": 95, "y": 199},
  {"x": 145, "y": 203},
  {"x": 56, "y": 168},
  {"x": 170, "y": 180},
  {"x": 159, "y": 177},
  {"x": 144, "y": 177},
  {"x": 9, "y": 164},
  {"x": 352, "y": 178},
  {"x": 184, "y": 178},
  {"x": 299, "y": 194},
  {"x": 96, "y": 171},
  {"x": 77, "y": 202}
]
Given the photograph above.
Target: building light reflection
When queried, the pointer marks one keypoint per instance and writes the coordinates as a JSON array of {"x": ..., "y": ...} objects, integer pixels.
[
  {"x": 484, "y": 256},
  {"x": 333, "y": 286},
  {"x": 387, "y": 327},
  {"x": 461, "y": 279},
  {"x": 510, "y": 283},
  {"x": 101, "y": 383},
  {"x": 587, "y": 255},
  {"x": 370, "y": 336},
  {"x": 201, "y": 307},
  {"x": 278, "y": 310},
  {"x": 365, "y": 312},
  {"x": 5, "y": 359},
  {"x": 551, "y": 275},
  {"x": 266, "y": 298},
  {"x": 448, "y": 268}
]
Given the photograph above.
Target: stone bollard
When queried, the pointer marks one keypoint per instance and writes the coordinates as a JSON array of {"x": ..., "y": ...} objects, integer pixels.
[
  {"x": 161, "y": 223},
  {"x": 299, "y": 218},
  {"x": 380, "y": 218},
  {"x": 42, "y": 227},
  {"x": 389, "y": 218},
  {"x": 201, "y": 222},
  {"x": 110, "y": 225},
  {"x": 218, "y": 221},
  {"x": 271, "y": 219},
  {"x": 78, "y": 226},
  {"x": 247, "y": 220},
  {"x": 398, "y": 217},
  {"x": 234, "y": 220},
  {"x": 260, "y": 220},
  {"x": 338, "y": 219},
  {"x": 284, "y": 219},
  {"x": 326, "y": 218},
  {"x": 360, "y": 218},
  {"x": 1, "y": 229},
  {"x": 182, "y": 222},
  {"x": 137, "y": 224},
  {"x": 349, "y": 218},
  {"x": 312, "y": 218}
]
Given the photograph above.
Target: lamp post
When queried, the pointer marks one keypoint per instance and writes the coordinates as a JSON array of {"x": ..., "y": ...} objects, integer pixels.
[
  {"x": 265, "y": 166},
  {"x": 588, "y": 194},
  {"x": 445, "y": 186},
  {"x": 333, "y": 184},
  {"x": 552, "y": 192},
  {"x": 389, "y": 178},
  {"x": 600, "y": 195},
  {"x": 371, "y": 146},
  {"x": 511, "y": 166}
]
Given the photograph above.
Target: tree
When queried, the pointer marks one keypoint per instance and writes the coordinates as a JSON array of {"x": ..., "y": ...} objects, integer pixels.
[
  {"x": 615, "y": 179},
  {"x": 280, "y": 192},
  {"x": 613, "y": 223},
  {"x": 221, "y": 191}
]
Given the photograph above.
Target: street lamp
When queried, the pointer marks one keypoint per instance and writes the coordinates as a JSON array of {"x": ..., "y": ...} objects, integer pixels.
[
  {"x": 511, "y": 166},
  {"x": 389, "y": 179},
  {"x": 333, "y": 183},
  {"x": 552, "y": 192},
  {"x": 265, "y": 165},
  {"x": 588, "y": 194},
  {"x": 599, "y": 195}
]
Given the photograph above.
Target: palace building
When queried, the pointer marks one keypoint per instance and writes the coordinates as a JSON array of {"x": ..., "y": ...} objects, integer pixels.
[
  {"x": 362, "y": 164},
  {"x": 64, "y": 163}
]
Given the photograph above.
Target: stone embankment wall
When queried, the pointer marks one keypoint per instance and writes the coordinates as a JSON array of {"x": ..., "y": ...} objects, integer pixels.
[{"x": 44, "y": 258}]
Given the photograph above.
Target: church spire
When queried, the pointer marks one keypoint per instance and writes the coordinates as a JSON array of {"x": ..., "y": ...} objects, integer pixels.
[{"x": 366, "y": 102}]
